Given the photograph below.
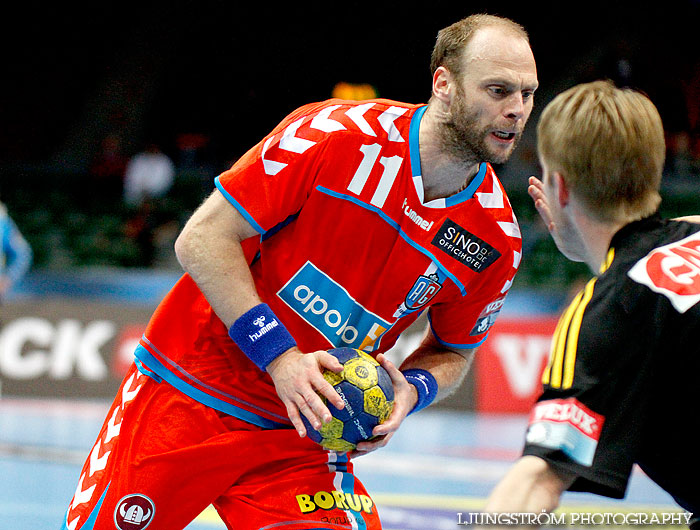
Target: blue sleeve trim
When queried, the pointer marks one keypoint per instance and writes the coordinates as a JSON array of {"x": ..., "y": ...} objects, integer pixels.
[
  {"x": 396, "y": 227},
  {"x": 450, "y": 344},
  {"x": 238, "y": 207}
]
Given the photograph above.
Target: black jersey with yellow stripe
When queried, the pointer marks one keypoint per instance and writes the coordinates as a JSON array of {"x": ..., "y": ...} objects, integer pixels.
[{"x": 620, "y": 385}]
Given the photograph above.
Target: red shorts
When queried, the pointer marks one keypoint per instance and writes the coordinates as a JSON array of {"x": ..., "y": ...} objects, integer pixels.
[{"x": 162, "y": 457}]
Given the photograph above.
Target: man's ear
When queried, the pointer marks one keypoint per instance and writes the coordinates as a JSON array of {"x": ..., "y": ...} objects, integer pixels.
[
  {"x": 561, "y": 189},
  {"x": 442, "y": 85}
]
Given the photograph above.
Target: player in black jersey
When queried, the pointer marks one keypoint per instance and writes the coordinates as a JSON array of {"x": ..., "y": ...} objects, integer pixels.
[{"x": 620, "y": 386}]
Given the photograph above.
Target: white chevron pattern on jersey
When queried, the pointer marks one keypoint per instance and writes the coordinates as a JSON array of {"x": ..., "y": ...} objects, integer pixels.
[
  {"x": 99, "y": 463},
  {"x": 496, "y": 199},
  {"x": 322, "y": 121},
  {"x": 493, "y": 199},
  {"x": 289, "y": 141},
  {"x": 357, "y": 115},
  {"x": 387, "y": 119},
  {"x": 271, "y": 167},
  {"x": 511, "y": 228}
]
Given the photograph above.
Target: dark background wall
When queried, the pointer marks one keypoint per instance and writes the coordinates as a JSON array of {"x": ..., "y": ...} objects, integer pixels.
[
  {"x": 74, "y": 74},
  {"x": 85, "y": 87}
]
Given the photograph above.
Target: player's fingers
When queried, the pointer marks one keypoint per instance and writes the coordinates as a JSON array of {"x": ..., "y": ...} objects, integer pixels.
[
  {"x": 392, "y": 423},
  {"x": 368, "y": 446},
  {"x": 293, "y": 414},
  {"x": 401, "y": 386},
  {"x": 304, "y": 404},
  {"x": 542, "y": 208},
  {"x": 314, "y": 409},
  {"x": 537, "y": 196},
  {"x": 534, "y": 192},
  {"x": 326, "y": 360},
  {"x": 395, "y": 419},
  {"x": 546, "y": 215},
  {"x": 394, "y": 373},
  {"x": 535, "y": 185},
  {"x": 534, "y": 181},
  {"x": 326, "y": 390}
]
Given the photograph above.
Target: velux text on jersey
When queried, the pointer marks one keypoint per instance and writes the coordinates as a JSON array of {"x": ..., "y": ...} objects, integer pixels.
[{"x": 464, "y": 246}]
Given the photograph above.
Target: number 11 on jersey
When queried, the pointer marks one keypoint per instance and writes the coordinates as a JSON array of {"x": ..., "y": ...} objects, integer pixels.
[{"x": 370, "y": 154}]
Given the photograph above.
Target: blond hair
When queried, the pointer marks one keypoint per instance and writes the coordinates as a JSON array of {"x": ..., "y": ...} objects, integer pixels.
[
  {"x": 452, "y": 40},
  {"x": 609, "y": 145}
]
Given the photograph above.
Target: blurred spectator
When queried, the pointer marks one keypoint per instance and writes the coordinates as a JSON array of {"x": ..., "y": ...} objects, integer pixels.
[
  {"x": 15, "y": 253},
  {"x": 148, "y": 183},
  {"x": 149, "y": 175},
  {"x": 107, "y": 170}
]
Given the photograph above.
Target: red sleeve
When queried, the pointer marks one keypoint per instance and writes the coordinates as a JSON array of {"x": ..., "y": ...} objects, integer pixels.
[
  {"x": 273, "y": 179},
  {"x": 465, "y": 323}
]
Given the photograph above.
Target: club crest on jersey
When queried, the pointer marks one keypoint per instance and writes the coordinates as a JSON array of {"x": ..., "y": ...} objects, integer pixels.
[
  {"x": 423, "y": 291},
  {"x": 134, "y": 512},
  {"x": 330, "y": 309},
  {"x": 465, "y": 247}
]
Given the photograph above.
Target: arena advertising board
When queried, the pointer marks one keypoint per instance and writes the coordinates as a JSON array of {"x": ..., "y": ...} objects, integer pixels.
[
  {"x": 67, "y": 347},
  {"x": 508, "y": 367},
  {"x": 72, "y": 348}
]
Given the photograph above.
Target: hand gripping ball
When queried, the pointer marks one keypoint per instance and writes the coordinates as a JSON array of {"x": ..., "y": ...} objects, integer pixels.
[{"x": 368, "y": 394}]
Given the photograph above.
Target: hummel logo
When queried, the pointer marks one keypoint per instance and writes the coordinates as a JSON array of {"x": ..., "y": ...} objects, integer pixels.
[{"x": 260, "y": 321}]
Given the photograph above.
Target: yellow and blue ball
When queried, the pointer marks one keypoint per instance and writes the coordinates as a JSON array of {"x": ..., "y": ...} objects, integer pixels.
[{"x": 368, "y": 395}]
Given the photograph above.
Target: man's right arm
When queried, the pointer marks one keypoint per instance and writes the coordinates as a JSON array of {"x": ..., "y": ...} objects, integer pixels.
[{"x": 209, "y": 250}]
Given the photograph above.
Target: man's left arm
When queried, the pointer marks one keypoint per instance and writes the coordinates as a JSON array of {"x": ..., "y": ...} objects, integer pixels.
[{"x": 532, "y": 485}]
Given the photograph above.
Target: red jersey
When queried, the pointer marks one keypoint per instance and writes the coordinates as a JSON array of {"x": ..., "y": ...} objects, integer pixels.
[{"x": 349, "y": 253}]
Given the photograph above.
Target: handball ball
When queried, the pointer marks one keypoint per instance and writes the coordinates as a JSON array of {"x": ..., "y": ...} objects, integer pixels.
[{"x": 368, "y": 394}]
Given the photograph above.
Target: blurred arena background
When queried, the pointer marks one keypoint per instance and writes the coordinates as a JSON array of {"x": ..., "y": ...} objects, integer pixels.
[{"x": 185, "y": 88}]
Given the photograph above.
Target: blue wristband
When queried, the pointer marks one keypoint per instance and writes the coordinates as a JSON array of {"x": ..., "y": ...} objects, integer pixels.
[
  {"x": 425, "y": 384},
  {"x": 261, "y": 336}
]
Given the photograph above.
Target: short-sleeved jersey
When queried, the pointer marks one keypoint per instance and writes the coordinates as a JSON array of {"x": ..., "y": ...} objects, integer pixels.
[
  {"x": 621, "y": 384},
  {"x": 349, "y": 252}
]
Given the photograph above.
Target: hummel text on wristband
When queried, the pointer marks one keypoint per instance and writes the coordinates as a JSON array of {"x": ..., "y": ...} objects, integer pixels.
[
  {"x": 261, "y": 336},
  {"x": 425, "y": 384}
]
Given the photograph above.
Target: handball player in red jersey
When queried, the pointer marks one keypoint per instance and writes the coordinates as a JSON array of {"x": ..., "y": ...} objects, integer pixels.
[{"x": 338, "y": 229}]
